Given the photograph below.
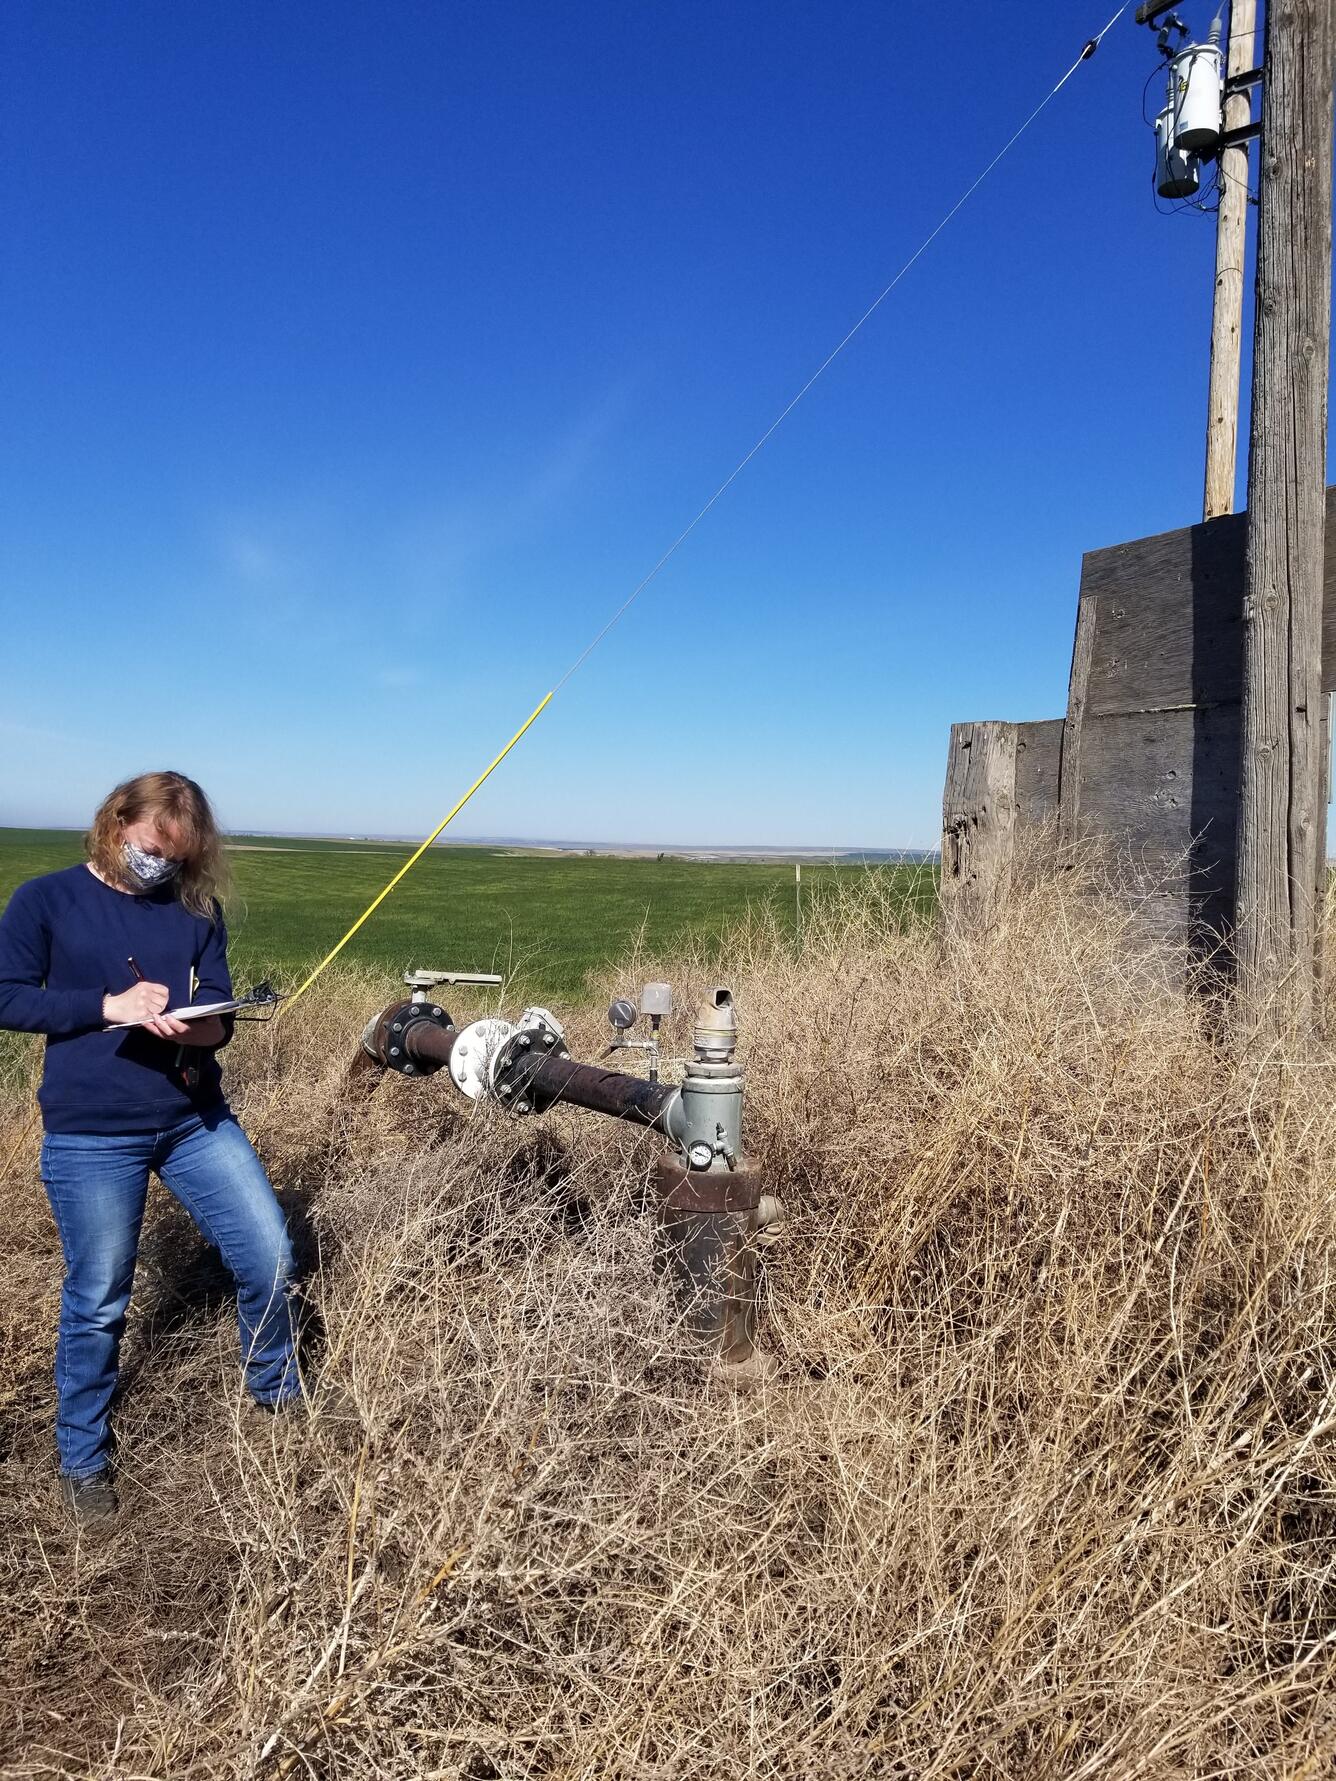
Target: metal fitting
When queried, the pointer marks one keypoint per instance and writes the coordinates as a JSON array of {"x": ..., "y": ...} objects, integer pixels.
[
  {"x": 410, "y": 1037},
  {"x": 706, "y": 1243},
  {"x": 715, "y": 1036}
]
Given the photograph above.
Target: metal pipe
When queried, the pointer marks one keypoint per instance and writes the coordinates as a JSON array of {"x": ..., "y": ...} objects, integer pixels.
[
  {"x": 397, "y": 1038},
  {"x": 418, "y": 1038},
  {"x": 538, "y": 1081},
  {"x": 426, "y": 1043},
  {"x": 709, "y": 1224}
]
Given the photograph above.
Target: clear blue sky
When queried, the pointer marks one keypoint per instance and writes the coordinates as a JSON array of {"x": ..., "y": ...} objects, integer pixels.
[{"x": 357, "y": 361}]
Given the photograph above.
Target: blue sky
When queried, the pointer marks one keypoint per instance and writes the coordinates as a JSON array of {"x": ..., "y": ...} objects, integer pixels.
[{"x": 358, "y": 361}]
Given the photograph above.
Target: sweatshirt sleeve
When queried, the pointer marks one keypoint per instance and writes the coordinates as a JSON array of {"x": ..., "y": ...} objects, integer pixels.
[
  {"x": 26, "y": 1005},
  {"x": 213, "y": 980}
]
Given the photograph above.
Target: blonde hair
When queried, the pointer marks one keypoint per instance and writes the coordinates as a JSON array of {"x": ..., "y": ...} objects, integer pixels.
[{"x": 165, "y": 799}]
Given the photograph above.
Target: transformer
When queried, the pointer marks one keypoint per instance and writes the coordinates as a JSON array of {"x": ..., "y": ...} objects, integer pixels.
[
  {"x": 1196, "y": 97},
  {"x": 1176, "y": 170}
]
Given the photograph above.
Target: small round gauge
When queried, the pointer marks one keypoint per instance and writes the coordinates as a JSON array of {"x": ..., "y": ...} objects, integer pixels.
[
  {"x": 700, "y": 1155},
  {"x": 622, "y": 1014}
]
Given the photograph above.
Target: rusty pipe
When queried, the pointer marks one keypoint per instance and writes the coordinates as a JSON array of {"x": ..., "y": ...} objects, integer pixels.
[
  {"x": 426, "y": 1043},
  {"x": 535, "y": 1082},
  {"x": 707, "y": 1229},
  {"x": 709, "y": 1223}
]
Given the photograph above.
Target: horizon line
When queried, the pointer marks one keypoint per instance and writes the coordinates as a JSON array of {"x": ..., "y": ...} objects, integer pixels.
[{"x": 563, "y": 842}]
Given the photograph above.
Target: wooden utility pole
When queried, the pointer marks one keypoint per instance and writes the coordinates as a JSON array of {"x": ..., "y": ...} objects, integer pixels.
[
  {"x": 1282, "y": 818},
  {"x": 1231, "y": 231}
]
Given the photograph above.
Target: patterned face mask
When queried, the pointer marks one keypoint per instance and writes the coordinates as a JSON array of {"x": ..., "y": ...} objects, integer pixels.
[{"x": 148, "y": 869}]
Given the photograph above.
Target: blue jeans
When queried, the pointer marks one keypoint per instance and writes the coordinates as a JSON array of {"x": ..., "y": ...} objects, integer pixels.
[{"x": 97, "y": 1184}]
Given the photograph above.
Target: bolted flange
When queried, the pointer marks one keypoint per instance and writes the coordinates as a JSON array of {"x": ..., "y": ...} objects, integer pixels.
[
  {"x": 387, "y": 1037},
  {"x": 473, "y": 1055},
  {"x": 537, "y": 1036}
]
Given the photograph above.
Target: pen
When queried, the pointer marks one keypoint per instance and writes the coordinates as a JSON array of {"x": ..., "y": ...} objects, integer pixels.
[{"x": 139, "y": 975}]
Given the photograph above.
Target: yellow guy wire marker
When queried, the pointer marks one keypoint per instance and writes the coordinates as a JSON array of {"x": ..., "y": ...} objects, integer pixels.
[{"x": 408, "y": 865}]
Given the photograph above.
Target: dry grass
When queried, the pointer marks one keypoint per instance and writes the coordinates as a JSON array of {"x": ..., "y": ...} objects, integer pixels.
[{"x": 1044, "y": 1485}]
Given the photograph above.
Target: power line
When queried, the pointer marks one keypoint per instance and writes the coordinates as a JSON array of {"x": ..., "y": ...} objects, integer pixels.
[
  {"x": 1088, "y": 50},
  {"x": 872, "y": 308}
]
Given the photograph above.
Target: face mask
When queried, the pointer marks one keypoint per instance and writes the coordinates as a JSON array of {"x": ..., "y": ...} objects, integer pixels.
[{"x": 148, "y": 869}]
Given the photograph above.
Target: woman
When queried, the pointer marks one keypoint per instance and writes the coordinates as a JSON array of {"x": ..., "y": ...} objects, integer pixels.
[{"x": 93, "y": 957}]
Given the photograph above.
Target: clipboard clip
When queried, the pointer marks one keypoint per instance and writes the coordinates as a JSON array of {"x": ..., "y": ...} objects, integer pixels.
[{"x": 264, "y": 998}]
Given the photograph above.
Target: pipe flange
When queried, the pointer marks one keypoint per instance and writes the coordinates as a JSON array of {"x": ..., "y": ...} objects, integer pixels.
[
  {"x": 475, "y": 1051},
  {"x": 537, "y": 1036},
  {"x": 384, "y": 1038}
]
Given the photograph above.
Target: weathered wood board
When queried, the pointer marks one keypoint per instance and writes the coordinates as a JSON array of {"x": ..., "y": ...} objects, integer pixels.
[
  {"x": 1001, "y": 779},
  {"x": 978, "y": 819},
  {"x": 1152, "y": 740},
  {"x": 1147, "y": 757},
  {"x": 1038, "y": 772},
  {"x": 1160, "y": 788},
  {"x": 1169, "y": 611}
]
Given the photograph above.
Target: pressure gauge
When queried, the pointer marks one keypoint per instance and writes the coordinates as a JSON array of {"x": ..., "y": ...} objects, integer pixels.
[
  {"x": 700, "y": 1155},
  {"x": 622, "y": 1014}
]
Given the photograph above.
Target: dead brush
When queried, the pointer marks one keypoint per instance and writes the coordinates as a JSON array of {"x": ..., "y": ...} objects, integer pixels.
[{"x": 1044, "y": 1486}]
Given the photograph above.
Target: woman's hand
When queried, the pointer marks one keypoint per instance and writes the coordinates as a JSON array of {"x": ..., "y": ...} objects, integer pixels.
[
  {"x": 139, "y": 1004},
  {"x": 167, "y": 1028},
  {"x": 143, "y": 1006}
]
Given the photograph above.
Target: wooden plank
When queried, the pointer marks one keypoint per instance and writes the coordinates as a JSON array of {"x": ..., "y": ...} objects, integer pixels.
[
  {"x": 1170, "y": 617},
  {"x": 978, "y": 823},
  {"x": 1163, "y": 776},
  {"x": 1038, "y": 772},
  {"x": 1161, "y": 790},
  {"x": 1078, "y": 686}
]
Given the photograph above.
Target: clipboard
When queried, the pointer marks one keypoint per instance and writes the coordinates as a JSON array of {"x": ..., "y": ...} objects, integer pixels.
[
  {"x": 262, "y": 996},
  {"x": 194, "y": 1011}
]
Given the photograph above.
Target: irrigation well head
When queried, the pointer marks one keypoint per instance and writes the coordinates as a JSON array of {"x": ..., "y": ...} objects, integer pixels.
[{"x": 709, "y": 1224}]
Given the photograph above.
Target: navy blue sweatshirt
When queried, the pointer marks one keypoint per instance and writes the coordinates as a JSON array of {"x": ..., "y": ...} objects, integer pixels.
[{"x": 65, "y": 942}]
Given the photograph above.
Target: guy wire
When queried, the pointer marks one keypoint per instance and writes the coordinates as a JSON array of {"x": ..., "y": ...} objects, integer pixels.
[{"x": 1088, "y": 50}]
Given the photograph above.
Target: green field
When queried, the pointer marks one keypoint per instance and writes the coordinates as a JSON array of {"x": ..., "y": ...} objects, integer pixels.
[{"x": 547, "y": 920}]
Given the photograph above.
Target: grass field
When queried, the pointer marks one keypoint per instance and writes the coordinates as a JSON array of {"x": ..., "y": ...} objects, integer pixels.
[{"x": 545, "y": 920}]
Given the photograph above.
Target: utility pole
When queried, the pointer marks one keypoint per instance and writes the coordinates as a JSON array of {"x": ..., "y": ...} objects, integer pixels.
[
  {"x": 1282, "y": 819},
  {"x": 1231, "y": 231}
]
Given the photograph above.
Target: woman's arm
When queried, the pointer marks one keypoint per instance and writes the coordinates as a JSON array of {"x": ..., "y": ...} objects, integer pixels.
[
  {"x": 213, "y": 983},
  {"x": 26, "y": 1005}
]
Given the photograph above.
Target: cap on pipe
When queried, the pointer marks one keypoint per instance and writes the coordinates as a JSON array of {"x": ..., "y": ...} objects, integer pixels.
[{"x": 716, "y": 1034}]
